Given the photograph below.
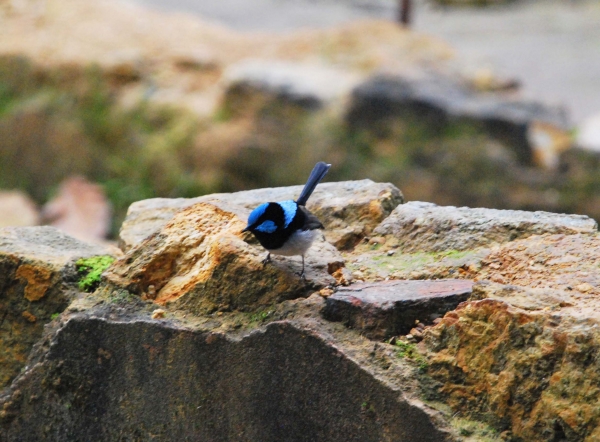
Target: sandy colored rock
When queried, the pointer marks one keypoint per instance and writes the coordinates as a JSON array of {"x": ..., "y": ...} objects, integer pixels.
[
  {"x": 37, "y": 279},
  {"x": 17, "y": 210},
  {"x": 531, "y": 373},
  {"x": 563, "y": 262},
  {"x": 80, "y": 209},
  {"x": 200, "y": 261},
  {"x": 311, "y": 86},
  {"x": 348, "y": 210},
  {"x": 425, "y": 226}
]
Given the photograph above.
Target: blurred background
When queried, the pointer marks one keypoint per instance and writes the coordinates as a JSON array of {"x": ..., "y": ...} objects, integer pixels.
[{"x": 484, "y": 103}]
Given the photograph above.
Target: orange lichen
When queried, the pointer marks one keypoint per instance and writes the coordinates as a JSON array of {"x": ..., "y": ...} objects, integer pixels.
[{"x": 38, "y": 280}]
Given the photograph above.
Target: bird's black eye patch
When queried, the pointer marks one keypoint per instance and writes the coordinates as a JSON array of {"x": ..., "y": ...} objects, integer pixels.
[{"x": 274, "y": 212}]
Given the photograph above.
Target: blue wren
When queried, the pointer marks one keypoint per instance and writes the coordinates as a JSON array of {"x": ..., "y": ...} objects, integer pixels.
[{"x": 287, "y": 228}]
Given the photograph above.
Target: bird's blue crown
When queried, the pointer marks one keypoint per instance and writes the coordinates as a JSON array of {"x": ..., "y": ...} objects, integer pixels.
[
  {"x": 257, "y": 213},
  {"x": 289, "y": 209}
]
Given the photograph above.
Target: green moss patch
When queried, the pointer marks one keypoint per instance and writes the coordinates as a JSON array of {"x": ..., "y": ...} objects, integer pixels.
[{"x": 90, "y": 270}]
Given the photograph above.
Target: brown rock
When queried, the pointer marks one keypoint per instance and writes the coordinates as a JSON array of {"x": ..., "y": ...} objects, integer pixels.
[
  {"x": 200, "y": 261},
  {"x": 349, "y": 210},
  {"x": 565, "y": 262},
  {"x": 383, "y": 309},
  {"x": 37, "y": 279},
  {"x": 522, "y": 359},
  {"x": 426, "y": 226}
]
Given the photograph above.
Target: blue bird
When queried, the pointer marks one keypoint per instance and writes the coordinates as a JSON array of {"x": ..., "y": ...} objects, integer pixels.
[{"x": 287, "y": 228}]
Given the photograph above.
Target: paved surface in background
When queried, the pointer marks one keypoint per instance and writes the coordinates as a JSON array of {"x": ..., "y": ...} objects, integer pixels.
[{"x": 552, "y": 46}]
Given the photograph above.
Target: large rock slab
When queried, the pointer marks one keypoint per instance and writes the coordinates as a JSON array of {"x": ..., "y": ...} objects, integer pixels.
[
  {"x": 310, "y": 86},
  {"x": 349, "y": 210},
  {"x": 532, "y": 373},
  {"x": 555, "y": 262},
  {"x": 439, "y": 100},
  {"x": 133, "y": 377},
  {"x": 426, "y": 226},
  {"x": 201, "y": 261},
  {"x": 388, "y": 308},
  {"x": 38, "y": 279}
]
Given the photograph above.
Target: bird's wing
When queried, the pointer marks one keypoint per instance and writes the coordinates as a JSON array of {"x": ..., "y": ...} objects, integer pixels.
[{"x": 311, "y": 222}]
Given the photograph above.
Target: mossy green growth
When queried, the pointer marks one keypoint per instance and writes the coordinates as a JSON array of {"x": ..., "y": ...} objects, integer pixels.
[
  {"x": 90, "y": 270},
  {"x": 475, "y": 431},
  {"x": 409, "y": 351},
  {"x": 261, "y": 316}
]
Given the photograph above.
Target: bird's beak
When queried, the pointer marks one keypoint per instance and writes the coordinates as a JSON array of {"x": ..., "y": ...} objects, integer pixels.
[{"x": 245, "y": 230}]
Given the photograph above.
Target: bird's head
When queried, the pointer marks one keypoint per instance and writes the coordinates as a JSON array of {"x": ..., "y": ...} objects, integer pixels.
[{"x": 268, "y": 217}]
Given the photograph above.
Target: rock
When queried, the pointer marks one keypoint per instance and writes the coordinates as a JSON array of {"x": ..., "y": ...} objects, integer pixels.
[
  {"x": 348, "y": 210},
  {"x": 284, "y": 382},
  {"x": 17, "y": 210},
  {"x": 526, "y": 372},
  {"x": 80, "y": 209},
  {"x": 588, "y": 135},
  {"x": 563, "y": 262},
  {"x": 383, "y": 309},
  {"x": 485, "y": 79},
  {"x": 425, "y": 226},
  {"x": 473, "y": 2},
  {"x": 200, "y": 261},
  {"x": 310, "y": 86},
  {"x": 548, "y": 142},
  {"x": 37, "y": 280},
  {"x": 438, "y": 100}
]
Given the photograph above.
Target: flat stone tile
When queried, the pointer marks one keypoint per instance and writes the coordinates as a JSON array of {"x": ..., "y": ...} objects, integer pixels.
[{"x": 388, "y": 308}]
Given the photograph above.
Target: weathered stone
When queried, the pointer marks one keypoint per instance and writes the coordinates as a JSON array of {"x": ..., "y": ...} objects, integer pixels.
[
  {"x": 384, "y": 309},
  {"x": 349, "y": 210},
  {"x": 201, "y": 261},
  {"x": 588, "y": 136},
  {"x": 310, "y": 86},
  {"x": 98, "y": 378},
  {"x": 17, "y": 210},
  {"x": 80, "y": 209},
  {"x": 439, "y": 100},
  {"x": 37, "y": 279},
  {"x": 531, "y": 372},
  {"x": 563, "y": 262},
  {"x": 474, "y": 2},
  {"x": 425, "y": 226}
]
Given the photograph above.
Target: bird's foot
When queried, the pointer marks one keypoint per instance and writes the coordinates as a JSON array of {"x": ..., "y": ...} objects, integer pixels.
[{"x": 266, "y": 260}]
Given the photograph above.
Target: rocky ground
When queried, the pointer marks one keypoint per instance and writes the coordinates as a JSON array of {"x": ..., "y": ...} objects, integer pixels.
[
  {"x": 197, "y": 108},
  {"x": 416, "y": 322}
]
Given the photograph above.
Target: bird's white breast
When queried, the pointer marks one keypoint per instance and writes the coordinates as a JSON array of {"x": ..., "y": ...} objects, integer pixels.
[{"x": 297, "y": 244}]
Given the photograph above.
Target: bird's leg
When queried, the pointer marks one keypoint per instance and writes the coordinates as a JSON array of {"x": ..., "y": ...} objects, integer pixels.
[
  {"x": 267, "y": 259},
  {"x": 302, "y": 272}
]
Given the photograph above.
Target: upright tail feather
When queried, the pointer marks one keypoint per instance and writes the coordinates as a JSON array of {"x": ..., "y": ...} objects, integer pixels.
[{"x": 315, "y": 177}]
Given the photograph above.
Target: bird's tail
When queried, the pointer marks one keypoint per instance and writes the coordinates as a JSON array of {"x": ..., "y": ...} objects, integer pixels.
[{"x": 315, "y": 177}]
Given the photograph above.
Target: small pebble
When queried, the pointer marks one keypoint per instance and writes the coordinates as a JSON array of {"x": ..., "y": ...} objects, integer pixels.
[
  {"x": 158, "y": 313},
  {"x": 377, "y": 240}
]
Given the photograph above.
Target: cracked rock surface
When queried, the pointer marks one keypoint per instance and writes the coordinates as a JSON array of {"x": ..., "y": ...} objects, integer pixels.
[{"x": 451, "y": 324}]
